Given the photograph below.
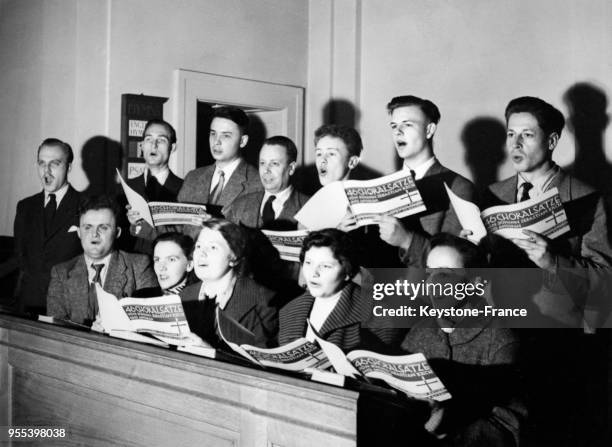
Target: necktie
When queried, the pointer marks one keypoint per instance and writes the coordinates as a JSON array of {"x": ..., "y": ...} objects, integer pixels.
[
  {"x": 50, "y": 209},
  {"x": 267, "y": 216},
  {"x": 525, "y": 193},
  {"x": 413, "y": 174},
  {"x": 216, "y": 193},
  {"x": 93, "y": 301},
  {"x": 151, "y": 188}
]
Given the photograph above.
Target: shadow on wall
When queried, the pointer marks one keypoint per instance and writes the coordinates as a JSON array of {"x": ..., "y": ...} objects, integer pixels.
[
  {"x": 335, "y": 111},
  {"x": 484, "y": 140},
  {"x": 588, "y": 119},
  {"x": 100, "y": 157},
  {"x": 257, "y": 135}
]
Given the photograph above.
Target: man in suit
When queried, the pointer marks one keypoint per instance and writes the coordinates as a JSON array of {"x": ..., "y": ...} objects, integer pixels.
[
  {"x": 43, "y": 222},
  {"x": 230, "y": 176},
  {"x": 413, "y": 124},
  {"x": 533, "y": 131},
  {"x": 157, "y": 183},
  {"x": 71, "y": 294},
  {"x": 274, "y": 207}
]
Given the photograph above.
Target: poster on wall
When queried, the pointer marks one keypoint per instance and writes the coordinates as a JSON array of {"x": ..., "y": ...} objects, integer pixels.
[{"x": 136, "y": 110}]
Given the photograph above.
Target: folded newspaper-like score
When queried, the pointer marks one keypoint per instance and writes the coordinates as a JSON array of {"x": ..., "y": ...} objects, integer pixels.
[
  {"x": 408, "y": 373},
  {"x": 288, "y": 243},
  {"x": 162, "y": 317},
  {"x": 393, "y": 195},
  {"x": 164, "y": 213},
  {"x": 544, "y": 215}
]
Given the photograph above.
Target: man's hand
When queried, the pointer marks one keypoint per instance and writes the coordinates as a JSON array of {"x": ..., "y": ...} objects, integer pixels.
[
  {"x": 132, "y": 215},
  {"x": 393, "y": 232},
  {"x": 348, "y": 222},
  {"x": 435, "y": 419},
  {"x": 465, "y": 233},
  {"x": 537, "y": 248}
]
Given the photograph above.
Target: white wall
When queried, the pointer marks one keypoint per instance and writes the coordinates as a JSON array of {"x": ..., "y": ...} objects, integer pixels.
[
  {"x": 471, "y": 57},
  {"x": 67, "y": 62}
]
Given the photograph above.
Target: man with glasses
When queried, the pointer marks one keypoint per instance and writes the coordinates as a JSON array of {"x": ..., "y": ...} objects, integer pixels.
[{"x": 42, "y": 226}]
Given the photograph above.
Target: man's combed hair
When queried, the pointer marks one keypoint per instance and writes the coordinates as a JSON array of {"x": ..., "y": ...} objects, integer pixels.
[
  {"x": 550, "y": 119},
  {"x": 340, "y": 244},
  {"x": 430, "y": 110},
  {"x": 348, "y": 135},
  {"x": 167, "y": 125},
  {"x": 287, "y": 143},
  {"x": 473, "y": 256},
  {"x": 65, "y": 147},
  {"x": 99, "y": 202},
  {"x": 234, "y": 114}
]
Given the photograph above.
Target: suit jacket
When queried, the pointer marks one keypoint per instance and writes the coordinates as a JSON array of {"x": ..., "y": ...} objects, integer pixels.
[
  {"x": 166, "y": 193},
  {"x": 439, "y": 216},
  {"x": 346, "y": 326},
  {"x": 38, "y": 252},
  {"x": 142, "y": 240},
  {"x": 68, "y": 290},
  {"x": 580, "y": 253},
  {"x": 249, "y": 307},
  {"x": 196, "y": 187},
  {"x": 245, "y": 210}
]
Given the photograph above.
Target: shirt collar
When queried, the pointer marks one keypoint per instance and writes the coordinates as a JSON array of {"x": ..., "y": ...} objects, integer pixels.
[
  {"x": 540, "y": 184},
  {"x": 279, "y": 201},
  {"x": 421, "y": 170},
  {"x": 90, "y": 271},
  {"x": 59, "y": 194},
  {"x": 161, "y": 176},
  {"x": 228, "y": 170}
]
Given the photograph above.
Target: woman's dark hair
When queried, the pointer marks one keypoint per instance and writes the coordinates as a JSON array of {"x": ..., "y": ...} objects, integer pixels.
[
  {"x": 180, "y": 239},
  {"x": 235, "y": 237},
  {"x": 341, "y": 246}
]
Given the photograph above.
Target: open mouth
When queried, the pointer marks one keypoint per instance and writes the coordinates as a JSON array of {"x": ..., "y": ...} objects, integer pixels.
[
  {"x": 48, "y": 179},
  {"x": 517, "y": 158}
]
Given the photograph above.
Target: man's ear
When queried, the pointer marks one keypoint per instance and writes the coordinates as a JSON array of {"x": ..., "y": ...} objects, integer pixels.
[
  {"x": 292, "y": 166},
  {"x": 173, "y": 147},
  {"x": 553, "y": 139},
  {"x": 353, "y": 162},
  {"x": 189, "y": 266},
  {"x": 431, "y": 130},
  {"x": 69, "y": 167},
  {"x": 244, "y": 139},
  {"x": 118, "y": 233}
]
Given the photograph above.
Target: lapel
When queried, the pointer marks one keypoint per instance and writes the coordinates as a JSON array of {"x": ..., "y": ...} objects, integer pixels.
[
  {"x": 255, "y": 210},
  {"x": 173, "y": 183},
  {"x": 201, "y": 187},
  {"x": 37, "y": 216},
  {"x": 115, "y": 277},
  {"x": 77, "y": 279},
  {"x": 298, "y": 310},
  {"x": 347, "y": 312},
  {"x": 506, "y": 189},
  {"x": 562, "y": 183},
  {"x": 243, "y": 299},
  {"x": 235, "y": 185},
  {"x": 291, "y": 207},
  {"x": 66, "y": 214}
]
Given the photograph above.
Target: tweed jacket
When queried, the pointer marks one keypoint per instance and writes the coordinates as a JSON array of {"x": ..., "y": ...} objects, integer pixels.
[
  {"x": 439, "y": 215},
  {"x": 477, "y": 362},
  {"x": 248, "y": 307},
  {"x": 246, "y": 210},
  {"x": 346, "y": 326},
  {"x": 69, "y": 286},
  {"x": 580, "y": 281},
  {"x": 36, "y": 251},
  {"x": 196, "y": 187}
]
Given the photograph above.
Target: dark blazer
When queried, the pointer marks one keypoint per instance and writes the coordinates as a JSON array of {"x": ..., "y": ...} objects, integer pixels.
[
  {"x": 142, "y": 241},
  {"x": 166, "y": 193},
  {"x": 36, "y": 252},
  {"x": 346, "y": 326},
  {"x": 249, "y": 307},
  {"x": 196, "y": 187},
  {"x": 69, "y": 286},
  {"x": 439, "y": 216},
  {"x": 245, "y": 210}
]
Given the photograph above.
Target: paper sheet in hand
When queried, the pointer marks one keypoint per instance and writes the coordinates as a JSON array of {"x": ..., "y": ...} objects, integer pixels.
[
  {"x": 544, "y": 215},
  {"x": 172, "y": 213},
  {"x": 409, "y": 373},
  {"x": 468, "y": 214},
  {"x": 136, "y": 201},
  {"x": 392, "y": 195},
  {"x": 325, "y": 209},
  {"x": 336, "y": 357},
  {"x": 288, "y": 243}
]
